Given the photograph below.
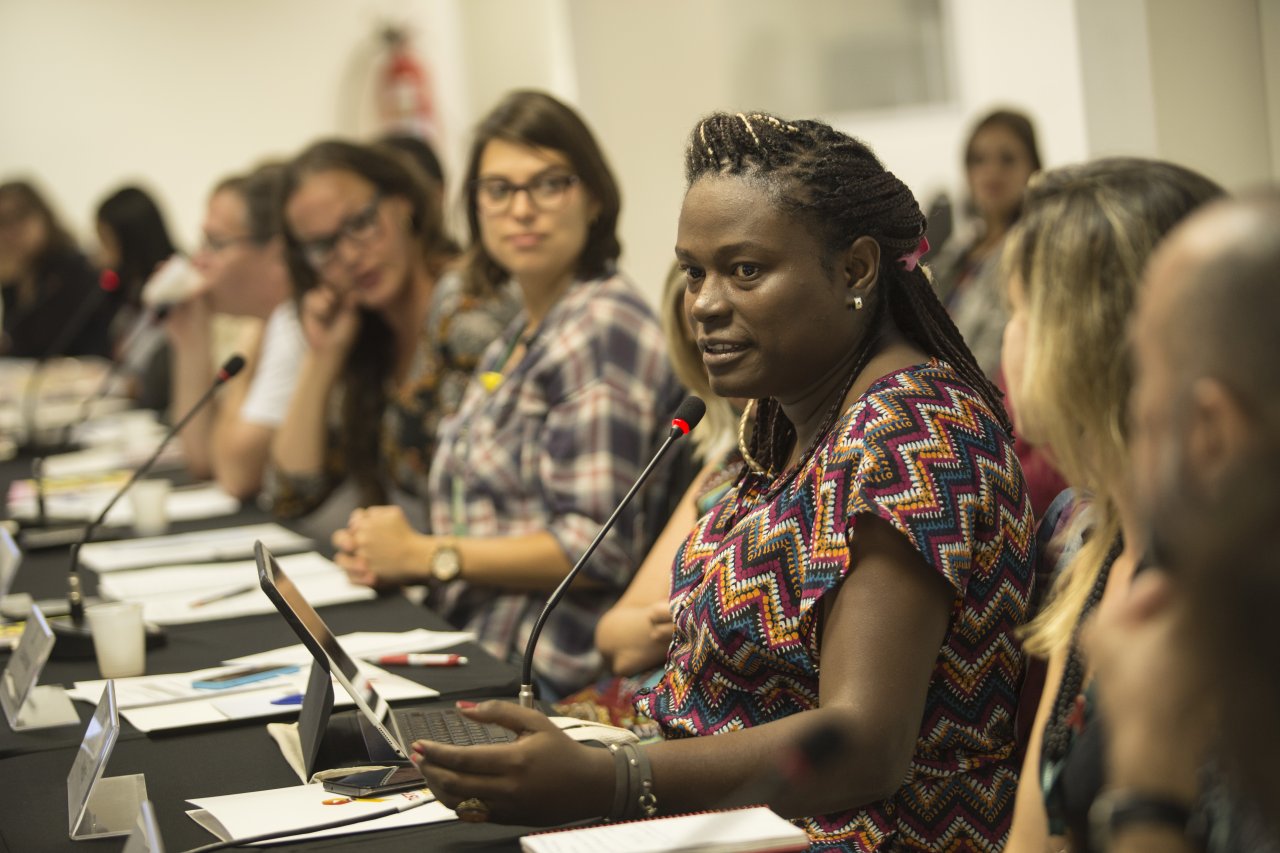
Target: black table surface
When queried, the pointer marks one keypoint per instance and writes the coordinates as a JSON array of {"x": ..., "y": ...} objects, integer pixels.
[{"x": 224, "y": 759}]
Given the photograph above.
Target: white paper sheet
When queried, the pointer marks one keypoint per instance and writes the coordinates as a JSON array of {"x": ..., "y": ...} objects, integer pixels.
[
  {"x": 177, "y": 595},
  {"x": 243, "y": 703},
  {"x": 366, "y": 644},
  {"x": 227, "y": 543},
  {"x": 242, "y": 815},
  {"x": 98, "y": 459},
  {"x": 733, "y": 831}
]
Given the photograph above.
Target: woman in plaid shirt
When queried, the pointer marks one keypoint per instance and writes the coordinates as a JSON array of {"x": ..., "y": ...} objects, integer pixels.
[{"x": 559, "y": 419}]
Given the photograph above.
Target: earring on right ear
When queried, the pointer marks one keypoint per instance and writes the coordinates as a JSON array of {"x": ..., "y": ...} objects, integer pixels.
[{"x": 857, "y": 303}]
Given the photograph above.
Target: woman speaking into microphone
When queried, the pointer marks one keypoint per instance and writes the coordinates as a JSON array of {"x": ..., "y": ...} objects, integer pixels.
[{"x": 867, "y": 571}]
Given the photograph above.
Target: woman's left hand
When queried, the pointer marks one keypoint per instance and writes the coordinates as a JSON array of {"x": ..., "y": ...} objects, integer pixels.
[
  {"x": 384, "y": 546},
  {"x": 542, "y": 779}
]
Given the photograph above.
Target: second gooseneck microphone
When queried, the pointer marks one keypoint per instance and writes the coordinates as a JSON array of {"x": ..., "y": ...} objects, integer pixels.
[
  {"x": 75, "y": 599},
  {"x": 687, "y": 416}
]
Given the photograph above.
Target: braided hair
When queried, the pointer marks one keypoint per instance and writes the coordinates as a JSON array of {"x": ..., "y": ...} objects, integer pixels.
[{"x": 838, "y": 186}]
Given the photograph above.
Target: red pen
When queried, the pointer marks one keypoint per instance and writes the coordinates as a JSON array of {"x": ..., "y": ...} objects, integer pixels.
[{"x": 421, "y": 660}]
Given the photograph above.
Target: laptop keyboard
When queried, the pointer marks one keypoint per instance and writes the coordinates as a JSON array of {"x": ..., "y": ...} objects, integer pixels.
[{"x": 447, "y": 725}]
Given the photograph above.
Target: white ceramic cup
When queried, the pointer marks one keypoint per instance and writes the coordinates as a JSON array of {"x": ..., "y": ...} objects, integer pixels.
[
  {"x": 150, "y": 499},
  {"x": 119, "y": 641}
]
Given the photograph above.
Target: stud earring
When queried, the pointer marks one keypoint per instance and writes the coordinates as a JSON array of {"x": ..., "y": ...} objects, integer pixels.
[{"x": 857, "y": 303}]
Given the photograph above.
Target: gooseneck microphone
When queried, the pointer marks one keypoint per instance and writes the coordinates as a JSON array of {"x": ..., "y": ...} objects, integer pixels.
[
  {"x": 687, "y": 416},
  {"x": 156, "y": 315},
  {"x": 77, "y": 632},
  {"x": 108, "y": 283}
]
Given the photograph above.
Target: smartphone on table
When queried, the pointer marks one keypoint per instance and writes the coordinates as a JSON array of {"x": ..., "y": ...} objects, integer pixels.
[
  {"x": 371, "y": 783},
  {"x": 237, "y": 677}
]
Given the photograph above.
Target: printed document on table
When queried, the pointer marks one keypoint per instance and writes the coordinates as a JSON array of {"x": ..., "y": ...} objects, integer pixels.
[
  {"x": 177, "y": 595},
  {"x": 203, "y": 546},
  {"x": 271, "y": 698},
  {"x": 258, "y": 812},
  {"x": 366, "y": 644}
]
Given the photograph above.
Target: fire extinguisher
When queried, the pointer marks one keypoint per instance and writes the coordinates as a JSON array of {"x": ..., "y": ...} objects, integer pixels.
[{"x": 405, "y": 100}]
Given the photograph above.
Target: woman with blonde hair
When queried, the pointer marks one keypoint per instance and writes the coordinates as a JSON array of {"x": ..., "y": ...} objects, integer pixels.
[{"x": 1073, "y": 263}]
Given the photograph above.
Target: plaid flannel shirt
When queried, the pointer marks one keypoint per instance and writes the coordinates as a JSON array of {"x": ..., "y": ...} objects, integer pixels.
[{"x": 554, "y": 448}]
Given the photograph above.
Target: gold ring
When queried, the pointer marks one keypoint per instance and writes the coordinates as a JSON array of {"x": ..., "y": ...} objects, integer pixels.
[{"x": 472, "y": 810}]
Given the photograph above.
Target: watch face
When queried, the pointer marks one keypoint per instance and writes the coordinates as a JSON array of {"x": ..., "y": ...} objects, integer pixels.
[{"x": 445, "y": 565}]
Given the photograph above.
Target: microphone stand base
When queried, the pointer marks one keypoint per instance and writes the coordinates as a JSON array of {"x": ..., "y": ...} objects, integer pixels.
[{"x": 75, "y": 642}]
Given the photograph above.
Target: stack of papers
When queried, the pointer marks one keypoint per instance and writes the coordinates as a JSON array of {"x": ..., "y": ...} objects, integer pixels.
[
  {"x": 227, "y": 543},
  {"x": 97, "y": 460},
  {"x": 258, "y": 812},
  {"x": 75, "y": 499},
  {"x": 202, "y": 592}
]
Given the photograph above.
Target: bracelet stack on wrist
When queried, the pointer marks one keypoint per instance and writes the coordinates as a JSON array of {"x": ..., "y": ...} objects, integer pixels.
[{"x": 633, "y": 795}]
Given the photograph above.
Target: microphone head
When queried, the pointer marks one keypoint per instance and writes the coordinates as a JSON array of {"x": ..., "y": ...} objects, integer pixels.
[
  {"x": 687, "y": 416},
  {"x": 231, "y": 367},
  {"x": 109, "y": 280}
]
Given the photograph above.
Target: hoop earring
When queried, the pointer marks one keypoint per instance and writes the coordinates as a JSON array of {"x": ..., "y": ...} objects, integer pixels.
[{"x": 742, "y": 439}]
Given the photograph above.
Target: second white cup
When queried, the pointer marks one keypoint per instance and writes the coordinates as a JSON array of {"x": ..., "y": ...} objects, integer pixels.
[
  {"x": 119, "y": 639},
  {"x": 150, "y": 499}
]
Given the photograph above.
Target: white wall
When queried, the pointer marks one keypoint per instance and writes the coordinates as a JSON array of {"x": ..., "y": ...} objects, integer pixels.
[
  {"x": 643, "y": 104},
  {"x": 1269, "y": 24},
  {"x": 1211, "y": 113},
  {"x": 179, "y": 93}
]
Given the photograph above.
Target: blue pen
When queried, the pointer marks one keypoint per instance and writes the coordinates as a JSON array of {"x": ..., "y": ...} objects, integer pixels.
[{"x": 294, "y": 699}]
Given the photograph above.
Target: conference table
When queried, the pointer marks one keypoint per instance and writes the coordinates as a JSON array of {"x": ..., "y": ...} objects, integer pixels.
[{"x": 225, "y": 759}]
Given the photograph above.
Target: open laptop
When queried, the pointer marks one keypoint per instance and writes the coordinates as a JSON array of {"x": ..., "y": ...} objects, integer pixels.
[{"x": 398, "y": 727}]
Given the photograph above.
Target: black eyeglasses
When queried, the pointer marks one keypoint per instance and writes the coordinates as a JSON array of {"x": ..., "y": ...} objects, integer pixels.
[
  {"x": 213, "y": 244},
  {"x": 547, "y": 192},
  {"x": 358, "y": 228}
]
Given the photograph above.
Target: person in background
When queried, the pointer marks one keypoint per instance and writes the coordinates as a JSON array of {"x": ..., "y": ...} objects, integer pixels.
[
  {"x": 393, "y": 338},
  {"x": 241, "y": 262},
  {"x": 1000, "y": 157},
  {"x": 43, "y": 277},
  {"x": 557, "y": 423},
  {"x": 865, "y": 575},
  {"x": 1186, "y": 663},
  {"x": 422, "y": 154},
  {"x": 134, "y": 241},
  {"x": 1074, "y": 263},
  {"x": 634, "y": 634}
]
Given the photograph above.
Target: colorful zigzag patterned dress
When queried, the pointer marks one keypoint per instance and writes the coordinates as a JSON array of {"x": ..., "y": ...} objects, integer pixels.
[{"x": 922, "y": 451}]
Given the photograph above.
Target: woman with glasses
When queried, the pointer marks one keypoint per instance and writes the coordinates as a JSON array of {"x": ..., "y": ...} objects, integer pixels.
[
  {"x": 557, "y": 422},
  {"x": 392, "y": 338},
  {"x": 242, "y": 275}
]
